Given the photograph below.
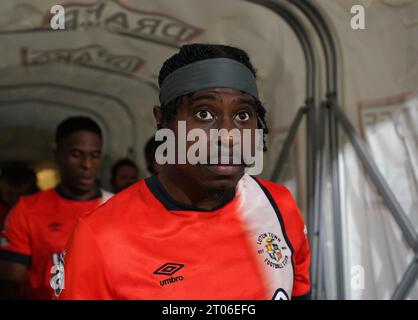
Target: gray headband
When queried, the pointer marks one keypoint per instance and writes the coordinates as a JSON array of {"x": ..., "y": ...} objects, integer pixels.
[{"x": 205, "y": 74}]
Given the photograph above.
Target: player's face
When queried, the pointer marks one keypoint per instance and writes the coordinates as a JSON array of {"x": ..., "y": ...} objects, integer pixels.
[
  {"x": 219, "y": 108},
  {"x": 79, "y": 160},
  {"x": 125, "y": 176}
]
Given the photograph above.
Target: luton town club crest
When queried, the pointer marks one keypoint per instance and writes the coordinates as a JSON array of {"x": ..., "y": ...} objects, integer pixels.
[{"x": 274, "y": 249}]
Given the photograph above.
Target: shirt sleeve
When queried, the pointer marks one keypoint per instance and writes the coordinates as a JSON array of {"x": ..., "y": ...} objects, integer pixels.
[
  {"x": 301, "y": 284},
  {"x": 85, "y": 275},
  {"x": 301, "y": 254},
  {"x": 15, "y": 242}
]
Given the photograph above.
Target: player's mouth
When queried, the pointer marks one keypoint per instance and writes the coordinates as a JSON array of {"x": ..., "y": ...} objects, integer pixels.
[
  {"x": 224, "y": 169},
  {"x": 86, "y": 180},
  {"x": 226, "y": 166}
]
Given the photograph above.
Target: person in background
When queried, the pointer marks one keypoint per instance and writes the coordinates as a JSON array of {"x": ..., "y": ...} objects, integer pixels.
[
  {"x": 16, "y": 179},
  {"x": 123, "y": 174},
  {"x": 38, "y": 226}
]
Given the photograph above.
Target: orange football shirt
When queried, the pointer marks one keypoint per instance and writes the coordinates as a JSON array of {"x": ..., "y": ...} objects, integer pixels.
[
  {"x": 142, "y": 244},
  {"x": 36, "y": 231}
]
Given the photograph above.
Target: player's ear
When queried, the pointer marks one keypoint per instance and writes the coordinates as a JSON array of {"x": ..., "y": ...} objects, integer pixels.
[{"x": 158, "y": 116}]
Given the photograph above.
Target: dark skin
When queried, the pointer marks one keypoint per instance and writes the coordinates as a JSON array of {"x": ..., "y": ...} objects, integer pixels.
[
  {"x": 125, "y": 176},
  {"x": 152, "y": 166},
  {"x": 79, "y": 158},
  {"x": 207, "y": 186}
]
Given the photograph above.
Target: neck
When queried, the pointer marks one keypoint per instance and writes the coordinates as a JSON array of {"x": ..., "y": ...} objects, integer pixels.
[
  {"x": 188, "y": 192},
  {"x": 69, "y": 192}
]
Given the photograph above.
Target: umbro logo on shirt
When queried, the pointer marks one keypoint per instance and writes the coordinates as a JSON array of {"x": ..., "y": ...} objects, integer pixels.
[
  {"x": 169, "y": 269},
  {"x": 55, "y": 226}
]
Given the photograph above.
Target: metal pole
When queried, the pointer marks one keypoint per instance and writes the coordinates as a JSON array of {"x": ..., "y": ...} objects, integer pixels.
[
  {"x": 303, "y": 36},
  {"x": 332, "y": 88},
  {"x": 278, "y": 168},
  {"x": 378, "y": 180},
  {"x": 336, "y": 203},
  {"x": 281, "y": 8},
  {"x": 315, "y": 236},
  {"x": 408, "y": 280},
  {"x": 310, "y": 166},
  {"x": 327, "y": 41},
  {"x": 331, "y": 69}
]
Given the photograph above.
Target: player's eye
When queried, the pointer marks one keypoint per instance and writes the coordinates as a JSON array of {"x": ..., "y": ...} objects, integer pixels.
[
  {"x": 243, "y": 116},
  {"x": 96, "y": 155},
  {"x": 76, "y": 154},
  {"x": 204, "y": 115}
]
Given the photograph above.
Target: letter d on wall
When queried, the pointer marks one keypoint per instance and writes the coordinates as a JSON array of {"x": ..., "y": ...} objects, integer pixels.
[{"x": 58, "y": 19}]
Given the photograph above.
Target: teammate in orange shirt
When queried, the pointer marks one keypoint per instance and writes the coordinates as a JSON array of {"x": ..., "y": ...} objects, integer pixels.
[
  {"x": 16, "y": 179},
  {"x": 195, "y": 231},
  {"x": 39, "y": 226}
]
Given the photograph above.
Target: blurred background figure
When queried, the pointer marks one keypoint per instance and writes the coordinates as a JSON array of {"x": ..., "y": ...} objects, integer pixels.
[
  {"x": 123, "y": 174},
  {"x": 16, "y": 179},
  {"x": 149, "y": 150},
  {"x": 39, "y": 226}
]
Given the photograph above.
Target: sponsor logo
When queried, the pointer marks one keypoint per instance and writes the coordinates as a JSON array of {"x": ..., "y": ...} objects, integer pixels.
[
  {"x": 55, "y": 226},
  {"x": 169, "y": 269}
]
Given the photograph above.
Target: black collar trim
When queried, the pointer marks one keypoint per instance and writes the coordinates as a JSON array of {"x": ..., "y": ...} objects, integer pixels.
[
  {"x": 169, "y": 203},
  {"x": 61, "y": 192}
]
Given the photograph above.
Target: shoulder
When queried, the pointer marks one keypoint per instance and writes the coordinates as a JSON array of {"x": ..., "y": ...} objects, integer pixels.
[
  {"x": 288, "y": 209},
  {"x": 281, "y": 196},
  {"x": 117, "y": 206},
  {"x": 277, "y": 190},
  {"x": 35, "y": 202},
  {"x": 40, "y": 197},
  {"x": 108, "y": 224}
]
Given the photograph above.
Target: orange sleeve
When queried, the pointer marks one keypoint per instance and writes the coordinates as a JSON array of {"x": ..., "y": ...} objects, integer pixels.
[
  {"x": 301, "y": 284},
  {"x": 85, "y": 275},
  {"x": 15, "y": 242},
  {"x": 301, "y": 252}
]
